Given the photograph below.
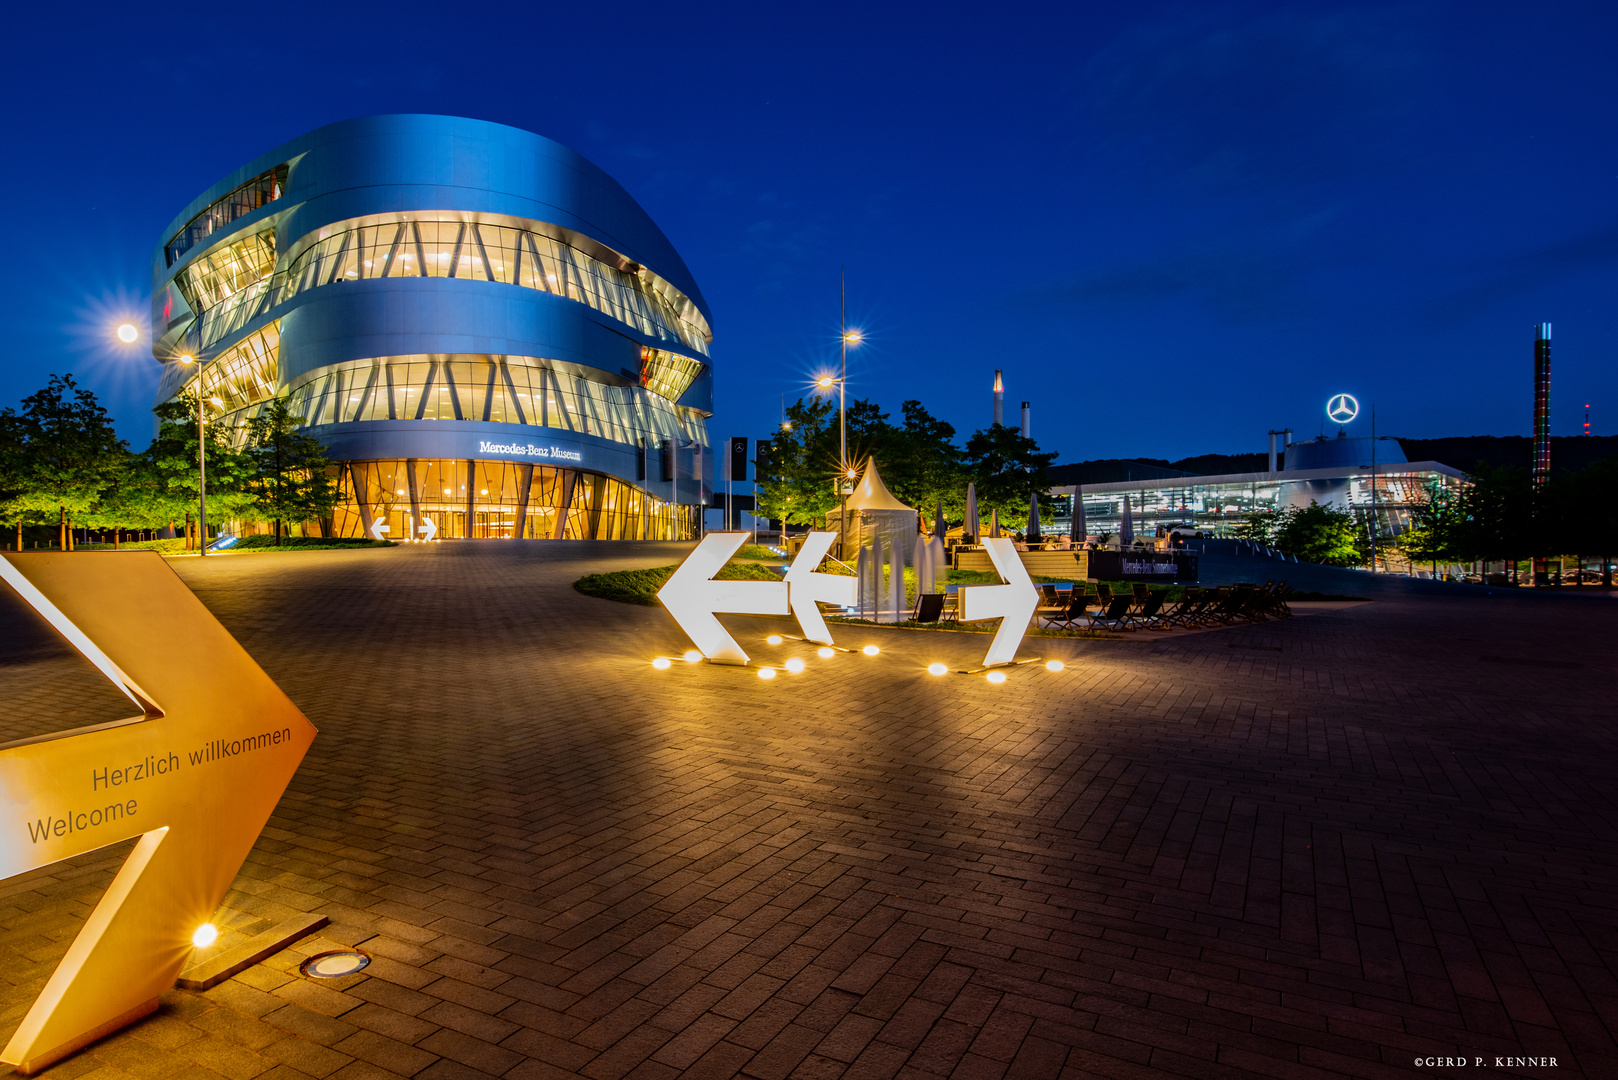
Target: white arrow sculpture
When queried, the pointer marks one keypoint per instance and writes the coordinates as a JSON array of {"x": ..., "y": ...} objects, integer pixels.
[
  {"x": 692, "y": 596},
  {"x": 1013, "y": 603},
  {"x": 806, "y": 586}
]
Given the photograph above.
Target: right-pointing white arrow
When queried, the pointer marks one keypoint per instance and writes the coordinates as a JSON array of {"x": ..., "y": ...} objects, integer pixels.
[
  {"x": 692, "y": 596},
  {"x": 806, "y": 586},
  {"x": 1013, "y": 603}
]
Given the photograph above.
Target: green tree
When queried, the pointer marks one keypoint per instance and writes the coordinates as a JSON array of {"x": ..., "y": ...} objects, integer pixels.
[
  {"x": 13, "y": 511},
  {"x": 1321, "y": 534},
  {"x": 1007, "y": 466},
  {"x": 798, "y": 480},
  {"x": 1259, "y": 526},
  {"x": 922, "y": 465},
  {"x": 292, "y": 477},
  {"x": 166, "y": 489},
  {"x": 67, "y": 454},
  {"x": 1498, "y": 515},
  {"x": 1437, "y": 524}
]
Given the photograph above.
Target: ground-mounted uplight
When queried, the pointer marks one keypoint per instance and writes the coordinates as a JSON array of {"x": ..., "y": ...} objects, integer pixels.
[
  {"x": 205, "y": 935},
  {"x": 794, "y": 665},
  {"x": 937, "y": 669},
  {"x": 1054, "y": 665},
  {"x": 662, "y": 663},
  {"x": 825, "y": 652},
  {"x": 774, "y": 639},
  {"x": 334, "y": 965},
  {"x": 996, "y": 677},
  {"x": 870, "y": 650},
  {"x": 766, "y": 673},
  {"x": 691, "y": 656}
]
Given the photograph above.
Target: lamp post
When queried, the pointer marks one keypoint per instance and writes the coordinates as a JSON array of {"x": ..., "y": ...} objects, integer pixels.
[{"x": 846, "y": 337}]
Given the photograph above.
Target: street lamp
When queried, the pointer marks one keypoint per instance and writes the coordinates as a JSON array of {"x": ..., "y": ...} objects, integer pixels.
[{"x": 127, "y": 333}]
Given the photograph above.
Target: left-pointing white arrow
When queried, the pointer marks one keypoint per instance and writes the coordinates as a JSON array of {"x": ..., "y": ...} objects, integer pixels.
[
  {"x": 692, "y": 596},
  {"x": 809, "y": 586},
  {"x": 1013, "y": 603}
]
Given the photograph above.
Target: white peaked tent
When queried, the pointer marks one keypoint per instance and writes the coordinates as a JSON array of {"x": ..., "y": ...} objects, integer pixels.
[{"x": 874, "y": 513}]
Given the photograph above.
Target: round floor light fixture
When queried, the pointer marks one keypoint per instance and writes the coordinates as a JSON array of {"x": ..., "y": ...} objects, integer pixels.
[{"x": 334, "y": 965}]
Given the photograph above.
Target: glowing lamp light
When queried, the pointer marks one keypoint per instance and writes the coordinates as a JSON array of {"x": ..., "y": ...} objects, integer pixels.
[
  {"x": 853, "y": 337},
  {"x": 662, "y": 663},
  {"x": 127, "y": 333},
  {"x": 188, "y": 359},
  {"x": 692, "y": 656},
  {"x": 825, "y": 652},
  {"x": 936, "y": 669},
  {"x": 870, "y": 650},
  {"x": 996, "y": 677},
  {"x": 1054, "y": 665},
  {"x": 766, "y": 673},
  {"x": 205, "y": 935},
  {"x": 825, "y": 382},
  {"x": 774, "y": 639},
  {"x": 794, "y": 665}
]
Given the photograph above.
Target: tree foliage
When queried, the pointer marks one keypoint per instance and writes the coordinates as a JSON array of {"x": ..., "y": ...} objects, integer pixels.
[
  {"x": 291, "y": 478},
  {"x": 63, "y": 455}
]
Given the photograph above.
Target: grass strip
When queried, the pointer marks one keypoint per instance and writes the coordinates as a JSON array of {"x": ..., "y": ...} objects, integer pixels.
[{"x": 640, "y": 586}]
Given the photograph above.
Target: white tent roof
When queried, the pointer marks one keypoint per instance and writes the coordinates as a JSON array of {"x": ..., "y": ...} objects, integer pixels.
[{"x": 872, "y": 494}]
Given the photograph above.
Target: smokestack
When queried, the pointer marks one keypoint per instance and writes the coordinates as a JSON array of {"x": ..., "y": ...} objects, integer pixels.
[
  {"x": 1025, "y": 429},
  {"x": 1542, "y": 404},
  {"x": 1273, "y": 434},
  {"x": 999, "y": 398}
]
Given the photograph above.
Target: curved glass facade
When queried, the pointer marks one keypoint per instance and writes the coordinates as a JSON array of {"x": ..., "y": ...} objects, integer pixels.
[
  {"x": 497, "y": 500},
  {"x": 494, "y": 389},
  {"x": 485, "y": 412},
  {"x": 438, "y": 245}
]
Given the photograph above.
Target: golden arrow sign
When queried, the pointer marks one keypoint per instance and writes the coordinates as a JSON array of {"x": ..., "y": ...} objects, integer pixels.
[{"x": 195, "y": 777}]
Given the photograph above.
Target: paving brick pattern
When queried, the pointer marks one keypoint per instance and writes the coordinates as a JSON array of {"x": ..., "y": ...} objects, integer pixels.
[{"x": 1324, "y": 847}]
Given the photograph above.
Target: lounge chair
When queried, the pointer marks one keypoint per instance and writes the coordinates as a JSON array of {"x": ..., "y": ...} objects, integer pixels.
[
  {"x": 1114, "y": 615},
  {"x": 929, "y": 608},
  {"x": 1068, "y": 616}
]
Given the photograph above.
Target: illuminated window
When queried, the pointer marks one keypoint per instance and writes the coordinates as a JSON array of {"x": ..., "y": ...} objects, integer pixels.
[
  {"x": 424, "y": 245},
  {"x": 257, "y": 192}
]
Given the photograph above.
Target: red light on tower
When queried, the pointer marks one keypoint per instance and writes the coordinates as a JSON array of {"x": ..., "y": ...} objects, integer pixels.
[{"x": 1587, "y": 419}]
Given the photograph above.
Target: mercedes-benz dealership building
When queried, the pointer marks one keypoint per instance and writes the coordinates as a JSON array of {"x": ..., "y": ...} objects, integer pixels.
[{"x": 488, "y": 334}]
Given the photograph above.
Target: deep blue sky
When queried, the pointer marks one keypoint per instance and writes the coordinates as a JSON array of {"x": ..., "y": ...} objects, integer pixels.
[{"x": 1175, "y": 226}]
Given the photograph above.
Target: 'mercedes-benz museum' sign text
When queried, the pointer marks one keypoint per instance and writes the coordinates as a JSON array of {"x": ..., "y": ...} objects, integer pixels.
[{"x": 549, "y": 453}]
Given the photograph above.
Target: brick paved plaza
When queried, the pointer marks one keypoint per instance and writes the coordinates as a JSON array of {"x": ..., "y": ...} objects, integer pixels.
[{"x": 1316, "y": 848}]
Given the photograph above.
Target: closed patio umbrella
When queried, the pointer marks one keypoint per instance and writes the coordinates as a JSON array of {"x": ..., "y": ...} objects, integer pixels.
[
  {"x": 938, "y": 521},
  {"x": 970, "y": 528},
  {"x": 1077, "y": 530},
  {"x": 994, "y": 523},
  {"x": 1033, "y": 518},
  {"x": 1126, "y": 531}
]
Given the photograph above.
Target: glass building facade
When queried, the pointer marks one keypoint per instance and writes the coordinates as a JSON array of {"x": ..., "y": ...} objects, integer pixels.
[
  {"x": 1216, "y": 505},
  {"x": 489, "y": 335}
]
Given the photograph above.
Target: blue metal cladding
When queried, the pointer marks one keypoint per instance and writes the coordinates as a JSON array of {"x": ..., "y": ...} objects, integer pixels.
[{"x": 419, "y": 164}]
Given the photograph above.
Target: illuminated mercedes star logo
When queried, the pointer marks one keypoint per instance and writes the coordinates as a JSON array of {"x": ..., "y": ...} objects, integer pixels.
[{"x": 1342, "y": 408}]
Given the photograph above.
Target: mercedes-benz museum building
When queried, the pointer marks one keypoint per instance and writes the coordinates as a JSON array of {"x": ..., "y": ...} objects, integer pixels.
[{"x": 491, "y": 338}]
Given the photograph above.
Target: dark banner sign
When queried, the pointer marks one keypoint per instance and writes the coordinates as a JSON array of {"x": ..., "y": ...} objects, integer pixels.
[{"x": 1143, "y": 566}]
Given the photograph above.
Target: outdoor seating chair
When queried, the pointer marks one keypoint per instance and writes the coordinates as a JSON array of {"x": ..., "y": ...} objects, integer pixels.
[
  {"x": 1182, "y": 607},
  {"x": 1114, "y": 615},
  {"x": 1068, "y": 616},
  {"x": 929, "y": 607},
  {"x": 1145, "y": 613}
]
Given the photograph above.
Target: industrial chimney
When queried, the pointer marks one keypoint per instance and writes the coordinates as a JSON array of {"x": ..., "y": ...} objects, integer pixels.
[
  {"x": 1542, "y": 404},
  {"x": 999, "y": 398},
  {"x": 1025, "y": 429},
  {"x": 1284, "y": 431}
]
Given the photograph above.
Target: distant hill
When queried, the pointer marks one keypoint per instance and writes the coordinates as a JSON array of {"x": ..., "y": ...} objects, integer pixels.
[
  {"x": 1568, "y": 452},
  {"x": 1464, "y": 452}
]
